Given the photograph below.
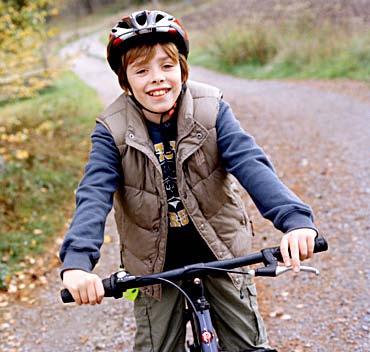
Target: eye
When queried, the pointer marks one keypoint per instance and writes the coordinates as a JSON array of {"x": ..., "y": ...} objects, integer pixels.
[
  {"x": 140, "y": 71},
  {"x": 168, "y": 65}
]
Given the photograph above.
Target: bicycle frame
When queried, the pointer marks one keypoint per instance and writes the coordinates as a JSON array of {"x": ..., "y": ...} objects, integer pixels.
[{"x": 204, "y": 335}]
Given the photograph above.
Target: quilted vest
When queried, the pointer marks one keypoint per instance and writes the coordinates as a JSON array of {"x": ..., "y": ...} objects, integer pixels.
[{"x": 209, "y": 194}]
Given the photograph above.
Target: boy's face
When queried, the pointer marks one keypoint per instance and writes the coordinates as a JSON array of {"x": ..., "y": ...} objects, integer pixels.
[{"x": 155, "y": 84}]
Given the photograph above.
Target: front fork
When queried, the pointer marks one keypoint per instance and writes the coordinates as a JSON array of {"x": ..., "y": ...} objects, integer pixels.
[{"x": 205, "y": 339}]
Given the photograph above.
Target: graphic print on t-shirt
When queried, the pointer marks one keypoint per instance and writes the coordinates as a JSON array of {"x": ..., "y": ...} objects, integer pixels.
[{"x": 177, "y": 214}]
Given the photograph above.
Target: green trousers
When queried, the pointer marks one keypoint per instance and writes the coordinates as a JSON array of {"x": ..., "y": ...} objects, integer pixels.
[{"x": 238, "y": 323}]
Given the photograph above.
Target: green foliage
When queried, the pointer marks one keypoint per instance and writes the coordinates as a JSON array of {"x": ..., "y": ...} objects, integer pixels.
[
  {"x": 44, "y": 143},
  {"x": 4, "y": 275},
  {"x": 254, "y": 45},
  {"x": 24, "y": 57},
  {"x": 298, "y": 49}
]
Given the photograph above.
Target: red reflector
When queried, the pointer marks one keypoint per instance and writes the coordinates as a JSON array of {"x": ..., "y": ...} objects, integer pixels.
[{"x": 207, "y": 337}]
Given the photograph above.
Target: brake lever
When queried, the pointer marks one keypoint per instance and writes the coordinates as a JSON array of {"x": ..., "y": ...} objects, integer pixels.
[
  {"x": 283, "y": 269},
  {"x": 277, "y": 270}
]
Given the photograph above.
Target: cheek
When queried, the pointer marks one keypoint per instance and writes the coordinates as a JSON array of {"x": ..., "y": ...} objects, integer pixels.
[
  {"x": 135, "y": 85},
  {"x": 177, "y": 77}
]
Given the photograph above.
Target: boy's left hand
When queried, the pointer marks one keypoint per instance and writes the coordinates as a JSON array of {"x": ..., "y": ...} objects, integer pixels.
[{"x": 301, "y": 243}]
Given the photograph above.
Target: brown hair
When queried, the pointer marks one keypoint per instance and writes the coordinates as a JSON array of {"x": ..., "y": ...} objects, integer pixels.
[{"x": 145, "y": 53}]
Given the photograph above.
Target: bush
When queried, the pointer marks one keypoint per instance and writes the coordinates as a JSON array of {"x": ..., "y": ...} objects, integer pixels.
[
  {"x": 297, "y": 48},
  {"x": 253, "y": 45},
  {"x": 44, "y": 143}
]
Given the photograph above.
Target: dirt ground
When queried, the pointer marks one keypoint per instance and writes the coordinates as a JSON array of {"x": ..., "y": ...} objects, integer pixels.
[{"x": 318, "y": 135}]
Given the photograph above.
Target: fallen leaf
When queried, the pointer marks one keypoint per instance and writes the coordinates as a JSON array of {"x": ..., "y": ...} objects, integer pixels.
[
  {"x": 84, "y": 339},
  {"x": 43, "y": 280},
  {"x": 286, "y": 317}
]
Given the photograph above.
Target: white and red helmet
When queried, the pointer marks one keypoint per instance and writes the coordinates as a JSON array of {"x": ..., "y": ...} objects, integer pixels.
[{"x": 145, "y": 27}]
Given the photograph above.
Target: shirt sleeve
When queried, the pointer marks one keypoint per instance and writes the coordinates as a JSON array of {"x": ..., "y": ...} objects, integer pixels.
[
  {"x": 244, "y": 159},
  {"x": 94, "y": 198}
]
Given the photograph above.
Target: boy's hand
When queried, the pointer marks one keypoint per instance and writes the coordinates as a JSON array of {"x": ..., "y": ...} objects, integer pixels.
[
  {"x": 85, "y": 288},
  {"x": 301, "y": 243}
]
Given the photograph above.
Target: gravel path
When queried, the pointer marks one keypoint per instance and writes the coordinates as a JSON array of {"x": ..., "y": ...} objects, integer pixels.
[{"x": 320, "y": 144}]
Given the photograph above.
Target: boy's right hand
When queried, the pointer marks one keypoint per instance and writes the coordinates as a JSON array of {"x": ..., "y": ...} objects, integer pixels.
[{"x": 85, "y": 288}]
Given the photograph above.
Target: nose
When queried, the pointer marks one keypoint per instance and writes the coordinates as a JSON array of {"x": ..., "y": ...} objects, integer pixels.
[{"x": 158, "y": 76}]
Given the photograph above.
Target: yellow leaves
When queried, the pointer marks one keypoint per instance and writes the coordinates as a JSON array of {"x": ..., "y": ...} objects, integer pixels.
[
  {"x": 23, "y": 37},
  {"x": 8, "y": 144},
  {"x": 46, "y": 126},
  {"x": 14, "y": 138},
  {"x": 33, "y": 243},
  {"x": 22, "y": 154},
  {"x": 54, "y": 12},
  {"x": 52, "y": 32}
]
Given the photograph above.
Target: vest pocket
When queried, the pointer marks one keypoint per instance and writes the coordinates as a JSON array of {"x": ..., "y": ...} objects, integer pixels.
[
  {"x": 141, "y": 207},
  {"x": 213, "y": 185}
]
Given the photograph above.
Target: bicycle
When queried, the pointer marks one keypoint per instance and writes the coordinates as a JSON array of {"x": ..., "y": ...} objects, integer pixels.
[{"x": 197, "y": 308}]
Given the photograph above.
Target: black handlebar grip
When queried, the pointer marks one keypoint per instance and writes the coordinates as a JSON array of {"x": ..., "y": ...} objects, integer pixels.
[
  {"x": 320, "y": 246},
  {"x": 108, "y": 291},
  {"x": 66, "y": 296}
]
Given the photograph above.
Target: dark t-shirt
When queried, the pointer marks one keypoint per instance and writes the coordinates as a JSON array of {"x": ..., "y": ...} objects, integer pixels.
[{"x": 184, "y": 244}]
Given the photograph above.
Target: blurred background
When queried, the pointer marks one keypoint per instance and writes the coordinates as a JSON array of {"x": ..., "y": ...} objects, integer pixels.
[
  {"x": 47, "y": 112},
  {"x": 42, "y": 102}
]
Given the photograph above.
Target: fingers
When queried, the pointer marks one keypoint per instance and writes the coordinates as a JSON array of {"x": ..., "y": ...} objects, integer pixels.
[
  {"x": 99, "y": 290},
  {"x": 302, "y": 248},
  {"x": 290, "y": 243},
  {"x": 76, "y": 295},
  {"x": 93, "y": 292},
  {"x": 300, "y": 243},
  {"x": 294, "y": 252},
  {"x": 284, "y": 250},
  {"x": 85, "y": 288},
  {"x": 84, "y": 294},
  {"x": 310, "y": 246}
]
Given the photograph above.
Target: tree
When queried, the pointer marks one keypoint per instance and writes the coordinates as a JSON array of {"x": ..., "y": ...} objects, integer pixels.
[{"x": 24, "y": 66}]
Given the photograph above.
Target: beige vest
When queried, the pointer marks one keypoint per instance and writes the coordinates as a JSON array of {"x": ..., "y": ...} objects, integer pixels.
[{"x": 208, "y": 192}]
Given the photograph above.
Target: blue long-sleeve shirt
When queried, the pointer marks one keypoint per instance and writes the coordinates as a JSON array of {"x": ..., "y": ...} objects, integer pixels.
[{"x": 240, "y": 155}]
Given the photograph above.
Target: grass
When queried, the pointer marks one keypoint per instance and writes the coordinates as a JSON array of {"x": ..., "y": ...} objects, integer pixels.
[
  {"x": 44, "y": 142},
  {"x": 299, "y": 49}
]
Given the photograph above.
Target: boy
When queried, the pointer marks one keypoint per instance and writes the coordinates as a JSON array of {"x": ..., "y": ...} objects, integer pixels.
[{"x": 166, "y": 149}]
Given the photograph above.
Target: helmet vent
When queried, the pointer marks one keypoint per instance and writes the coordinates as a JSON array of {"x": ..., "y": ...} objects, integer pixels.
[
  {"x": 141, "y": 19},
  {"x": 158, "y": 17},
  {"x": 124, "y": 24}
]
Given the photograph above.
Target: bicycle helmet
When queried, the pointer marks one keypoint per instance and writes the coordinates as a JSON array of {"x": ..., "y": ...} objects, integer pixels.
[{"x": 143, "y": 27}]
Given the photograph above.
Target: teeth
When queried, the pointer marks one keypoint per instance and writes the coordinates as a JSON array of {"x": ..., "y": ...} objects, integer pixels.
[{"x": 158, "y": 92}]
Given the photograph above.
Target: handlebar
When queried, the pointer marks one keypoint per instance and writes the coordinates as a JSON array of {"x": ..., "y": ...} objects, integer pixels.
[{"x": 121, "y": 281}]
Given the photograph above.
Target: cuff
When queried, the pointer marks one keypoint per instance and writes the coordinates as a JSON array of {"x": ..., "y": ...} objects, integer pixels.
[
  {"x": 298, "y": 221},
  {"x": 75, "y": 260}
]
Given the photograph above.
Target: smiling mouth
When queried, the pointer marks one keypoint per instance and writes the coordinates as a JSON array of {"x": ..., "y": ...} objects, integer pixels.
[{"x": 158, "y": 93}]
